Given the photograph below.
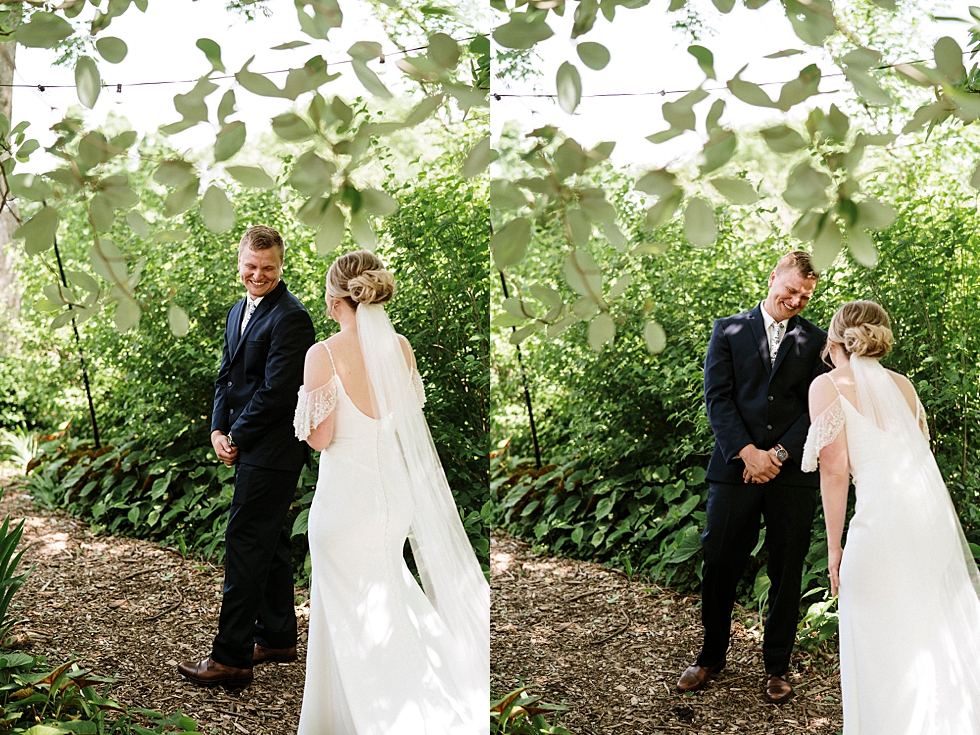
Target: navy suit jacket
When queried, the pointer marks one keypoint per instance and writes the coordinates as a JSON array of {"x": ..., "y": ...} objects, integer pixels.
[
  {"x": 751, "y": 401},
  {"x": 260, "y": 375}
]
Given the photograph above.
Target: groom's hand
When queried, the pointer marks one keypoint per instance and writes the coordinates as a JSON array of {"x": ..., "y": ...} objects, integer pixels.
[
  {"x": 226, "y": 453},
  {"x": 760, "y": 466}
]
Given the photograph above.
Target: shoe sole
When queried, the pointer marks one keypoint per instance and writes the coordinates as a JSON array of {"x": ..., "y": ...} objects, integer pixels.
[{"x": 275, "y": 659}]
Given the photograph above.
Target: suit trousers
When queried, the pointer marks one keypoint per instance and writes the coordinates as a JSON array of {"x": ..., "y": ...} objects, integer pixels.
[
  {"x": 731, "y": 533},
  {"x": 257, "y": 604}
]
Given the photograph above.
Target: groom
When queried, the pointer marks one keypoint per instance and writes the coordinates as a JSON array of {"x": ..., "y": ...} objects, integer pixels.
[
  {"x": 267, "y": 335},
  {"x": 757, "y": 374}
]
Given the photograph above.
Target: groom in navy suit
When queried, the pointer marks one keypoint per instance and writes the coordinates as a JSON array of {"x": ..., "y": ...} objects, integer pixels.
[
  {"x": 757, "y": 375},
  {"x": 267, "y": 335}
]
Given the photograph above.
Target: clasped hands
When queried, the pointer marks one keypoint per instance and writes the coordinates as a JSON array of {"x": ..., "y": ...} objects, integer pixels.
[
  {"x": 226, "y": 453},
  {"x": 760, "y": 465}
]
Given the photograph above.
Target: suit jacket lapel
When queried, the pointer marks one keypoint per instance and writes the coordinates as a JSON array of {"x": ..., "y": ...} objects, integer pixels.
[
  {"x": 759, "y": 335},
  {"x": 234, "y": 327},
  {"x": 261, "y": 310},
  {"x": 789, "y": 340}
]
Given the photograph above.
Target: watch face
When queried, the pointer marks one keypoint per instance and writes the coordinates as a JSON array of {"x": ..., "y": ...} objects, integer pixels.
[{"x": 781, "y": 455}]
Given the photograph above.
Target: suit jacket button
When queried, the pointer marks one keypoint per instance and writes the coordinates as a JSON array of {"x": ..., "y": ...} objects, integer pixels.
[
  {"x": 770, "y": 398},
  {"x": 769, "y": 427},
  {"x": 230, "y": 384}
]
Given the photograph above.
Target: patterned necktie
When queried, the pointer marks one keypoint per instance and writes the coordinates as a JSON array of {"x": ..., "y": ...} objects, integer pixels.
[
  {"x": 777, "y": 335},
  {"x": 248, "y": 315}
]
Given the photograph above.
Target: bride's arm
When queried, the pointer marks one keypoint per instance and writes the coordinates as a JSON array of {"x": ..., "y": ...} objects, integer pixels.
[
  {"x": 318, "y": 375},
  {"x": 834, "y": 476}
]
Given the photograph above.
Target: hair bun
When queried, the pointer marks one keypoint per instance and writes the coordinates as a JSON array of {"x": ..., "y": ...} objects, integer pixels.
[
  {"x": 868, "y": 340},
  {"x": 372, "y": 287}
]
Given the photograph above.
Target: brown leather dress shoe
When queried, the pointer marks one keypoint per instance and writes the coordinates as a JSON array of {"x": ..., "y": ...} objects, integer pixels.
[
  {"x": 778, "y": 690},
  {"x": 695, "y": 677},
  {"x": 280, "y": 655},
  {"x": 209, "y": 672}
]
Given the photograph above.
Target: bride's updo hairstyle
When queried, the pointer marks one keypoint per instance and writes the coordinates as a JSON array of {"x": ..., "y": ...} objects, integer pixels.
[
  {"x": 360, "y": 278},
  {"x": 860, "y": 328}
]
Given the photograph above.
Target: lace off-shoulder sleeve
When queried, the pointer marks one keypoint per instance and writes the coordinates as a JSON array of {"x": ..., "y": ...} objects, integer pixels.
[
  {"x": 312, "y": 407},
  {"x": 920, "y": 415},
  {"x": 823, "y": 430},
  {"x": 419, "y": 387}
]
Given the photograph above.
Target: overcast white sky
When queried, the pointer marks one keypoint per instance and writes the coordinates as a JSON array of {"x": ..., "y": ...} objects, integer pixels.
[
  {"x": 162, "y": 48},
  {"x": 648, "y": 56}
]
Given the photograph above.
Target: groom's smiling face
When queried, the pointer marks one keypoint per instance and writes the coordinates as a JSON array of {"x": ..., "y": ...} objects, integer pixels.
[
  {"x": 260, "y": 270},
  {"x": 789, "y": 293}
]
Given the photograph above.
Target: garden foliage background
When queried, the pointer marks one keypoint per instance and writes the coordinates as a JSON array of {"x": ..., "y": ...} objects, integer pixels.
[
  {"x": 623, "y": 434},
  {"x": 155, "y": 475}
]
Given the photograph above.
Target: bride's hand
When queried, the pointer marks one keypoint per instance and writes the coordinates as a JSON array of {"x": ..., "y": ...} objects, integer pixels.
[{"x": 833, "y": 566}]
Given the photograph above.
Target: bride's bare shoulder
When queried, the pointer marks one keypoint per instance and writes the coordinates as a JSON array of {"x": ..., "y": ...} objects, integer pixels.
[{"x": 407, "y": 350}]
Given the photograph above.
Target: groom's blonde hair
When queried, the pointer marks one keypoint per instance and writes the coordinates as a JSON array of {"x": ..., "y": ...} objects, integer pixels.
[{"x": 799, "y": 261}]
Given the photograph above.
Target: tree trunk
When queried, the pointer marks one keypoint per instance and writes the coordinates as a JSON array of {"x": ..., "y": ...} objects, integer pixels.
[{"x": 10, "y": 295}]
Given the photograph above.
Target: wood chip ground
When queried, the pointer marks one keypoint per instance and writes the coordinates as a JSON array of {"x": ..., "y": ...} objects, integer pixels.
[
  {"x": 611, "y": 650},
  {"x": 131, "y": 610}
]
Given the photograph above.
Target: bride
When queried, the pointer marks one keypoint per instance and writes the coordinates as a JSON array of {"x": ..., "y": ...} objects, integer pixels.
[
  {"x": 384, "y": 657},
  {"x": 908, "y": 603}
]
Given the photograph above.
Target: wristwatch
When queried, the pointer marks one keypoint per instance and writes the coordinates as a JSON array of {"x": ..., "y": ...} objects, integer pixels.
[
  {"x": 781, "y": 454},
  {"x": 231, "y": 442}
]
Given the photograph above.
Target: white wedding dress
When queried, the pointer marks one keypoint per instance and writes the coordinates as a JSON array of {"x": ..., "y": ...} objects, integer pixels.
[
  {"x": 382, "y": 657},
  {"x": 908, "y": 598}
]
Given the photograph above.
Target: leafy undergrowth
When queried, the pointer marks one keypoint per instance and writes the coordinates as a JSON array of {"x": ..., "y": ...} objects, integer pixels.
[
  {"x": 39, "y": 700},
  {"x": 519, "y": 713}
]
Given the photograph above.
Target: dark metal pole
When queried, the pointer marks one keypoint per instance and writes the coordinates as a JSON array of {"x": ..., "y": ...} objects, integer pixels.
[
  {"x": 81, "y": 356},
  {"x": 527, "y": 393}
]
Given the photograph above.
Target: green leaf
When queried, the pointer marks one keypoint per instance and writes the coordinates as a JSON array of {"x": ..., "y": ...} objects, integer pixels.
[
  {"x": 423, "y": 110},
  {"x": 784, "y": 53},
  {"x": 179, "y": 323},
  {"x": 949, "y": 59},
  {"x": 212, "y": 51},
  {"x": 699, "y": 223},
  {"x": 371, "y": 81},
  {"x": 509, "y": 243},
  {"x": 826, "y": 245},
  {"x": 182, "y": 199},
  {"x": 378, "y": 202},
  {"x": 655, "y": 337},
  {"x": 478, "y": 159},
  {"x": 680, "y": 113},
  {"x": 749, "y": 92},
  {"x": 39, "y": 231},
  {"x": 108, "y": 262},
  {"x": 806, "y": 188},
  {"x": 868, "y": 87},
  {"x": 738, "y": 191},
  {"x": 714, "y": 115},
  {"x": 326, "y": 16},
  {"x": 111, "y": 49},
  {"x": 174, "y": 173},
  {"x": 127, "y": 316},
  {"x": 602, "y": 331},
  {"x": 252, "y": 176},
  {"x": 229, "y": 141},
  {"x": 226, "y": 107},
  {"x": 443, "y": 50},
  {"x": 873, "y": 215},
  {"x": 546, "y": 295},
  {"x": 593, "y": 55},
  {"x": 45, "y": 30},
  {"x": 664, "y": 209},
  {"x": 659, "y": 182},
  {"x": 523, "y": 31},
  {"x": 724, "y": 6},
  {"x": 811, "y": 26},
  {"x": 583, "y": 274},
  {"x": 579, "y": 225},
  {"x": 783, "y": 139},
  {"x": 88, "y": 83},
  {"x": 291, "y": 127},
  {"x": 803, "y": 87},
  {"x": 331, "y": 232},
  {"x": 101, "y": 212},
  {"x": 289, "y": 46},
  {"x": 706, "y": 59},
  {"x": 93, "y": 149},
  {"x": 362, "y": 231},
  {"x": 569, "y": 85},
  {"x": 257, "y": 83},
  {"x": 311, "y": 175},
  {"x": 138, "y": 224},
  {"x": 216, "y": 211},
  {"x": 862, "y": 247},
  {"x": 718, "y": 150}
]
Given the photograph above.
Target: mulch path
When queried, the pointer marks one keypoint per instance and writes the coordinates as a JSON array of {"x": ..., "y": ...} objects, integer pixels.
[
  {"x": 131, "y": 610},
  {"x": 611, "y": 650}
]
